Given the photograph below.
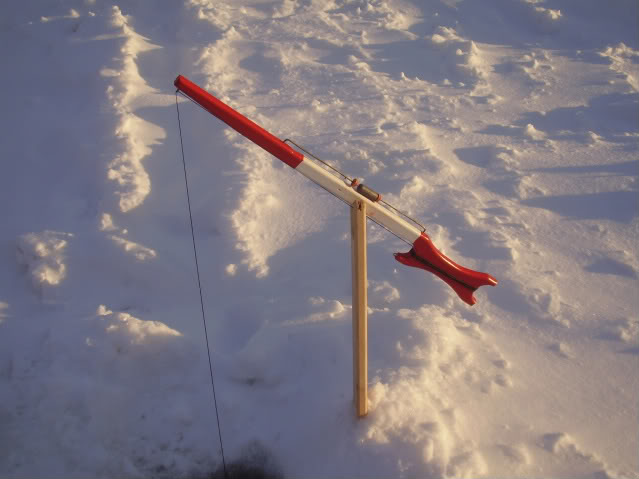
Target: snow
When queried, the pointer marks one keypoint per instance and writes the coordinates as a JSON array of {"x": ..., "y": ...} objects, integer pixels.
[{"x": 509, "y": 128}]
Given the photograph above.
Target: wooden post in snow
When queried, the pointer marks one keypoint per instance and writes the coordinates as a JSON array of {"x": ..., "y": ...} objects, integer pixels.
[
  {"x": 423, "y": 254},
  {"x": 360, "y": 308}
]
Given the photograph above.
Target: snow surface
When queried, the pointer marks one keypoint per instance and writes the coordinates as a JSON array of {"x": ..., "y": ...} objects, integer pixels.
[{"x": 509, "y": 127}]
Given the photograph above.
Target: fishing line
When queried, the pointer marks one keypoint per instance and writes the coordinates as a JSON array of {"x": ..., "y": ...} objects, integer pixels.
[{"x": 199, "y": 284}]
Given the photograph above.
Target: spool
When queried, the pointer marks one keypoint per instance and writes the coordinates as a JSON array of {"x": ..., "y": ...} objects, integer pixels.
[{"x": 368, "y": 193}]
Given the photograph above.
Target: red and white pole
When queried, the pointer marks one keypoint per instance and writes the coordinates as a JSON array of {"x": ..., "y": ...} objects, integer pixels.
[{"x": 423, "y": 255}]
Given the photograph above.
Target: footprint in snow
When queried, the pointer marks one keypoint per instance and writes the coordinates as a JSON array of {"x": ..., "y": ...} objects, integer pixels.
[
  {"x": 502, "y": 162},
  {"x": 608, "y": 265}
]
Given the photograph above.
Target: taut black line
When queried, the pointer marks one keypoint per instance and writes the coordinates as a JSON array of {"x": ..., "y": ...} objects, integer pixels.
[{"x": 199, "y": 284}]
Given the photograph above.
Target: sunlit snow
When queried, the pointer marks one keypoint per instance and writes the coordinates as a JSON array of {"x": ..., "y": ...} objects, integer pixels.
[{"x": 510, "y": 128}]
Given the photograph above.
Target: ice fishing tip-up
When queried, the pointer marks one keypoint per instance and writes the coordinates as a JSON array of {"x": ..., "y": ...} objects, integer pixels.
[{"x": 423, "y": 253}]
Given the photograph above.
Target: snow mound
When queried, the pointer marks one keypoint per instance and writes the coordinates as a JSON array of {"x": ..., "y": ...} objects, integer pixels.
[
  {"x": 416, "y": 409},
  {"x": 43, "y": 255},
  {"x": 383, "y": 292},
  {"x": 136, "y": 134},
  {"x": 574, "y": 458},
  {"x": 624, "y": 61},
  {"x": 130, "y": 330},
  {"x": 547, "y": 19},
  {"x": 531, "y": 132},
  {"x": 277, "y": 209},
  {"x": 221, "y": 62},
  {"x": 141, "y": 253},
  {"x": 464, "y": 54}
]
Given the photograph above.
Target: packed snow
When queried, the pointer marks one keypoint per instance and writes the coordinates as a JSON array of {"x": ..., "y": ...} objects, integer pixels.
[{"x": 510, "y": 128}]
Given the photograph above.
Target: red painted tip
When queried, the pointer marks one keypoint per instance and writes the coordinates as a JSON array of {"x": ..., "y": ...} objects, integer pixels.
[{"x": 239, "y": 122}]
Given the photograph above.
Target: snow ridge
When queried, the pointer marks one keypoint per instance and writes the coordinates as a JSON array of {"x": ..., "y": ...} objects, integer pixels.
[{"x": 137, "y": 134}]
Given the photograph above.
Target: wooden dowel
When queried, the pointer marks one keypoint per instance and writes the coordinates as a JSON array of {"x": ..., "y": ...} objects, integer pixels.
[{"x": 360, "y": 308}]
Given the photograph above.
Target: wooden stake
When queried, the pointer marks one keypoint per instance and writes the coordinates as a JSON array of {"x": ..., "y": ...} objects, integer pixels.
[{"x": 360, "y": 308}]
